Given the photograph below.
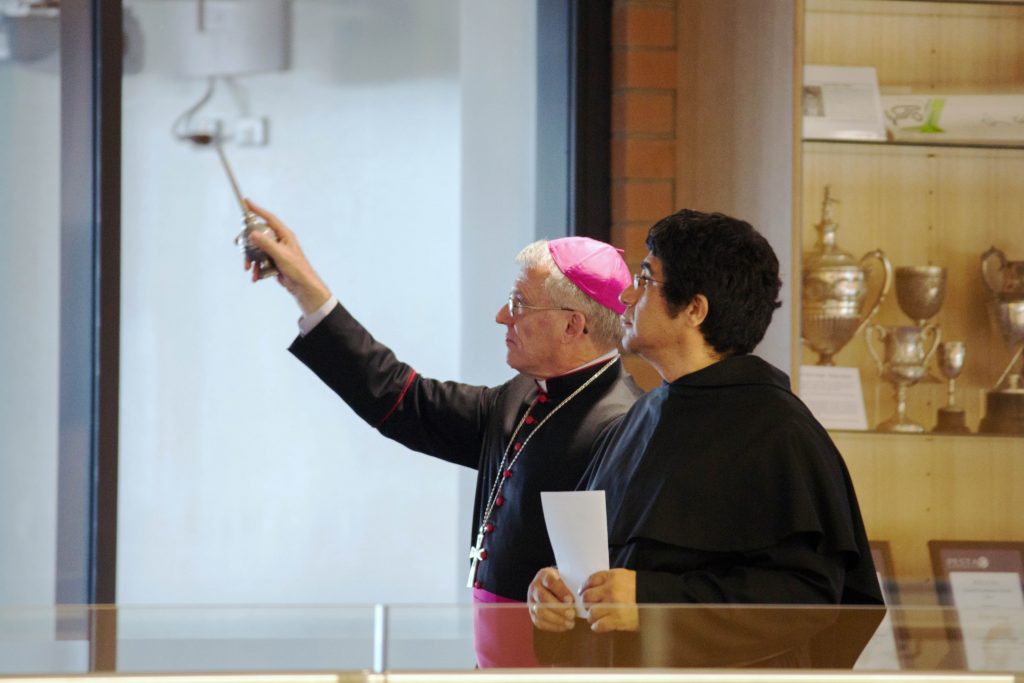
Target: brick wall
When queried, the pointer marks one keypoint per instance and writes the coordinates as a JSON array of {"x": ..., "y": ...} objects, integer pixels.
[{"x": 643, "y": 154}]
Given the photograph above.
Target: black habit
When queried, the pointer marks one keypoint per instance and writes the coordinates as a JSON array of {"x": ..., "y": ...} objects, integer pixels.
[
  {"x": 471, "y": 426},
  {"x": 721, "y": 487}
]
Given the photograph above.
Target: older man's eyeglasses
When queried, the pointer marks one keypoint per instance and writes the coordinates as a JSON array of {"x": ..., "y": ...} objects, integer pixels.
[
  {"x": 641, "y": 282},
  {"x": 516, "y": 307}
]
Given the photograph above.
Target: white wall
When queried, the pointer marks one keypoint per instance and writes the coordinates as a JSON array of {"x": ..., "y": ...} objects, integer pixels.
[
  {"x": 29, "y": 329},
  {"x": 402, "y": 152},
  {"x": 243, "y": 479}
]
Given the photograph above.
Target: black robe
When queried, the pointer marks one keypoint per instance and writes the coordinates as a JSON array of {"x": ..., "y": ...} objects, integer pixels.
[
  {"x": 470, "y": 426},
  {"x": 721, "y": 487}
]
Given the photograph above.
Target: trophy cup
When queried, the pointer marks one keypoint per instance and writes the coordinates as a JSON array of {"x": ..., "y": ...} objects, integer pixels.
[
  {"x": 951, "y": 417},
  {"x": 920, "y": 291},
  {"x": 1004, "y": 403},
  {"x": 902, "y": 364},
  {"x": 834, "y": 288},
  {"x": 1004, "y": 278}
]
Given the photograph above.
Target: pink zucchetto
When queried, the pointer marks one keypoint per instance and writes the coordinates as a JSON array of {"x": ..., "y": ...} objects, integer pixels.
[{"x": 595, "y": 267}]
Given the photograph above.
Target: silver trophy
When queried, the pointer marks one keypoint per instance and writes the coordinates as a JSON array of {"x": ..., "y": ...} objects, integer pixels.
[
  {"x": 903, "y": 363},
  {"x": 951, "y": 417},
  {"x": 1004, "y": 404},
  {"x": 251, "y": 222},
  {"x": 835, "y": 286},
  {"x": 1004, "y": 278},
  {"x": 920, "y": 291}
]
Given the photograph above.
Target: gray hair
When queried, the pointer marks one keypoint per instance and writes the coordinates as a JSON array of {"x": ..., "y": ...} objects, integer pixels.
[{"x": 602, "y": 322}]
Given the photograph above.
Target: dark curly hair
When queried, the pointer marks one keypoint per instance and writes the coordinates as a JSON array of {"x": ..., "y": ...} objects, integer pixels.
[{"x": 727, "y": 261}]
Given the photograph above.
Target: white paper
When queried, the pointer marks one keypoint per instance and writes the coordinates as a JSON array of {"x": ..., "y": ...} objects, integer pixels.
[
  {"x": 842, "y": 103},
  {"x": 578, "y": 528},
  {"x": 950, "y": 118},
  {"x": 989, "y": 606},
  {"x": 986, "y": 589},
  {"x": 834, "y": 396}
]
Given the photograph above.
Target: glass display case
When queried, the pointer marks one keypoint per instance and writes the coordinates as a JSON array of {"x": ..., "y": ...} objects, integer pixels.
[
  {"x": 941, "y": 195},
  {"x": 357, "y": 642}
]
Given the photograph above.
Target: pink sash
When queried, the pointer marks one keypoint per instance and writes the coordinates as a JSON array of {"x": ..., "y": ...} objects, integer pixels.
[{"x": 502, "y": 637}]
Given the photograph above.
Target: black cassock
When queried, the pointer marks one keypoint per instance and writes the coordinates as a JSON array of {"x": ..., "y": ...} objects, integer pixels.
[
  {"x": 471, "y": 426},
  {"x": 722, "y": 487}
]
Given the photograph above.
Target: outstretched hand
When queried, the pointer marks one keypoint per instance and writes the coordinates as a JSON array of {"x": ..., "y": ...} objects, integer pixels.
[{"x": 294, "y": 271}]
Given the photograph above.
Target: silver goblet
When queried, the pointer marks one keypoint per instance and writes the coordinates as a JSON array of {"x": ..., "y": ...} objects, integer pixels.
[
  {"x": 920, "y": 291},
  {"x": 951, "y": 417}
]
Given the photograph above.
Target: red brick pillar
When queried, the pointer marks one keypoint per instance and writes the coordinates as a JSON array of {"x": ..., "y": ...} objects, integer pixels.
[{"x": 643, "y": 155}]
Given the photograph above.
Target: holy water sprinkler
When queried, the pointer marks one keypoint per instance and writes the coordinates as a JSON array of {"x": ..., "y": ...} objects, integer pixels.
[{"x": 264, "y": 264}]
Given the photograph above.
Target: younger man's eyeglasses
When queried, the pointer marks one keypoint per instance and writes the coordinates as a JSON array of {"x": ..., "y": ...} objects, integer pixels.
[{"x": 641, "y": 282}]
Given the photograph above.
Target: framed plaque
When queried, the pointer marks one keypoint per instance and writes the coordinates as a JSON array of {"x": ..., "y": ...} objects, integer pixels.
[{"x": 984, "y": 582}]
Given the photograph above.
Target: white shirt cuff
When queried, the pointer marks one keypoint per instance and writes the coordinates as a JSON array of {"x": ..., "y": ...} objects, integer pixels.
[{"x": 308, "y": 322}]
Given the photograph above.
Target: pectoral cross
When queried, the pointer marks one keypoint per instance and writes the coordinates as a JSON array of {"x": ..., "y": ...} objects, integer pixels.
[{"x": 475, "y": 555}]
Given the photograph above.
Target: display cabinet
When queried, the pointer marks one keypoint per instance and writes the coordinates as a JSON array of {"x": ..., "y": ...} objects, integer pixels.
[{"x": 941, "y": 201}]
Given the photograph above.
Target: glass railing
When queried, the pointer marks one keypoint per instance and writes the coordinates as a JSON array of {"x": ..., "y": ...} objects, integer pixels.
[{"x": 388, "y": 640}]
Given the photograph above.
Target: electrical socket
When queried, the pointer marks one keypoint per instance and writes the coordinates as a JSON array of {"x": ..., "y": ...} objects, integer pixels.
[{"x": 252, "y": 131}]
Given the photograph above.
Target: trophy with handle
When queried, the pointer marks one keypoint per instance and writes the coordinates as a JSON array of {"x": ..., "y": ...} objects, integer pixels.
[
  {"x": 902, "y": 363},
  {"x": 1004, "y": 403},
  {"x": 835, "y": 288}
]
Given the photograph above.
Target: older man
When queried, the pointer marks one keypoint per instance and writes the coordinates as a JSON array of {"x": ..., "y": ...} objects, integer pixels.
[
  {"x": 536, "y": 431},
  {"x": 721, "y": 487}
]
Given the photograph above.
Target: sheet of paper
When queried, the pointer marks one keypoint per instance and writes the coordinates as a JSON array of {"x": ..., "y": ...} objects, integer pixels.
[
  {"x": 986, "y": 589},
  {"x": 991, "y": 619},
  {"x": 578, "y": 528},
  {"x": 951, "y": 118},
  {"x": 834, "y": 396},
  {"x": 842, "y": 103}
]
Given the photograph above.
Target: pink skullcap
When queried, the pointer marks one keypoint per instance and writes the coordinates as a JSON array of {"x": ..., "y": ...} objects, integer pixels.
[{"x": 595, "y": 267}]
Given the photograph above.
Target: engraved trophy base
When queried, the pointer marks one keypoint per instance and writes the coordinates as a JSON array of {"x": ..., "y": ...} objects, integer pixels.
[
  {"x": 951, "y": 420},
  {"x": 1004, "y": 412}
]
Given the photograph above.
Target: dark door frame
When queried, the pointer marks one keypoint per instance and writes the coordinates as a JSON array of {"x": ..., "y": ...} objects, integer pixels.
[
  {"x": 591, "y": 97},
  {"x": 574, "y": 117},
  {"x": 91, "y": 56}
]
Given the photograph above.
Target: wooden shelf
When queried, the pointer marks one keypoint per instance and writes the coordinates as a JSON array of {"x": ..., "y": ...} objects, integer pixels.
[
  {"x": 916, "y": 488},
  {"x": 924, "y": 206},
  {"x": 911, "y": 143}
]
